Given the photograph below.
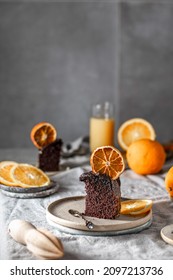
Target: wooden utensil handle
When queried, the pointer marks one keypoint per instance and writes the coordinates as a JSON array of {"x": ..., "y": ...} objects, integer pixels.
[
  {"x": 18, "y": 229},
  {"x": 42, "y": 243}
]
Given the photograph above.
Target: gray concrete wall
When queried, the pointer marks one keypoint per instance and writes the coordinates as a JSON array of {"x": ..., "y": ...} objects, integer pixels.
[{"x": 57, "y": 58}]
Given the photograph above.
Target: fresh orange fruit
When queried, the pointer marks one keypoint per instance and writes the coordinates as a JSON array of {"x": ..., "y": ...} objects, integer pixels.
[
  {"x": 169, "y": 182},
  {"x": 26, "y": 176},
  {"x": 134, "y": 129},
  {"x": 135, "y": 206},
  {"x": 107, "y": 160},
  {"x": 43, "y": 134},
  {"x": 5, "y": 178},
  {"x": 146, "y": 156}
]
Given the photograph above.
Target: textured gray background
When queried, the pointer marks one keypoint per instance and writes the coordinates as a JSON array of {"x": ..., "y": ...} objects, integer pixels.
[{"x": 58, "y": 58}]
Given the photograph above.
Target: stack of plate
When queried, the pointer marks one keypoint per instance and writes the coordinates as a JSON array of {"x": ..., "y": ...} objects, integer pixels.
[
  {"x": 58, "y": 215},
  {"x": 33, "y": 192}
]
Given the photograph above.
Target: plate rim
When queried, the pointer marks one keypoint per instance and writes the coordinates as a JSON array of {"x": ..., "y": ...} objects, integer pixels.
[
  {"x": 74, "y": 231},
  {"x": 21, "y": 190},
  {"x": 29, "y": 195},
  {"x": 83, "y": 227}
]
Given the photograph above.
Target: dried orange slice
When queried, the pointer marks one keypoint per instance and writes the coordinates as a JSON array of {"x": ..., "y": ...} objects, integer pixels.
[
  {"x": 43, "y": 134},
  {"x": 134, "y": 129},
  {"x": 27, "y": 176},
  {"x": 5, "y": 178},
  {"x": 135, "y": 206},
  {"x": 107, "y": 160}
]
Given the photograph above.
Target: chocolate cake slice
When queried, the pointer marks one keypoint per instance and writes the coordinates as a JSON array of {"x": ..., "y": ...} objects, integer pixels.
[
  {"x": 103, "y": 195},
  {"x": 49, "y": 156}
]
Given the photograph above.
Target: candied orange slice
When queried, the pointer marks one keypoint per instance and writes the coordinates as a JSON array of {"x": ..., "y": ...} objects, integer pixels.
[
  {"x": 27, "y": 176},
  {"x": 134, "y": 129},
  {"x": 5, "y": 178},
  {"x": 43, "y": 134},
  {"x": 107, "y": 160},
  {"x": 135, "y": 206}
]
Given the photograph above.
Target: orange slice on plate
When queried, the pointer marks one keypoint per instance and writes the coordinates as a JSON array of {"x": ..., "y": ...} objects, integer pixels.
[
  {"x": 5, "y": 168},
  {"x": 27, "y": 176},
  {"x": 43, "y": 134},
  {"x": 134, "y": 129},
  {"x": 107, "y": 160},
  {"x": 136, "y": 206}
]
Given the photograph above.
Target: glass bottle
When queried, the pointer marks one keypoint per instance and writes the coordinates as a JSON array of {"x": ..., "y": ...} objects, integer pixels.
[{"x": 102, "y": 125}]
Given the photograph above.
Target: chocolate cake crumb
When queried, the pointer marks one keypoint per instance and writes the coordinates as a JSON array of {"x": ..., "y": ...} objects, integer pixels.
[{"x": 103, "y": 195}]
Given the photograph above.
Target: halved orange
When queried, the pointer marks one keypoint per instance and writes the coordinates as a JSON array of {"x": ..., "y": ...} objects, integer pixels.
[
  {"x": 27, "y": 176},
  {"x": 5, "y": 178},
  {"x": 43, "y": 134},
  {"x": 107, "y": 160},
  {"x": 134, "y": 129},
  {"x": 135, "y": 206}
]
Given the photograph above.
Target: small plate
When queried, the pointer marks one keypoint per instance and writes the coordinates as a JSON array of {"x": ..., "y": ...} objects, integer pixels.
[
  {"x": 58, "y": 213},
  {"x": 39, "y": 194},
  {"x": 167, "y": 234},
  {"x": 27, "y": 190},
  {"x": 99, "y": 233}
]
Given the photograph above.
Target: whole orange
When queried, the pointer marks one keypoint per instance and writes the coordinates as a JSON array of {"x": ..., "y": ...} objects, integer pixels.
[
  {"x": 169, "y": 182},
  {"x": 146, "y": 156}
]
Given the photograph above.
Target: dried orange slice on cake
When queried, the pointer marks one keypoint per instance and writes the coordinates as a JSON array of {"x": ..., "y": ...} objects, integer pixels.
[
  {"x": 43, "y": 134},
  {"x": 136, "y": 206},
  {"x": 107, "y": 160},
  {"x": 5, "y": 178},
  {"x": 134, "y": 129},
  {"x": 27, "y": 176}
]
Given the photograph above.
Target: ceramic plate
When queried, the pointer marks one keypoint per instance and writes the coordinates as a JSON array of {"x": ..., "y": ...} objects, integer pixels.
[
  {"x": 41, "y": 193},
  {"x": 58, "y": 213},
  {"x": 26, "y": 190},
  {"x": 99, "y": 233}
]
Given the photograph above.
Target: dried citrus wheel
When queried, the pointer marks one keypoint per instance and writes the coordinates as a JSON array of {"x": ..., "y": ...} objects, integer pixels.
[
  {"x": 134, "y": 129},
  {"x": 169, "y": 182},
  {"x": 27, "y": 176},
  {"x": 135, "y": 206},
  {"x": 107, "y": 160},
  {"x": 43, "y": 134},
  {"x": 5, "y": 178}
]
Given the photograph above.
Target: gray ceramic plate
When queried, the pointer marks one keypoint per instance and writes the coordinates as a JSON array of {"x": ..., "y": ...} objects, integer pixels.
[
  {"x": 26, "y": 190},
  {"x": 39, "y": 194}
]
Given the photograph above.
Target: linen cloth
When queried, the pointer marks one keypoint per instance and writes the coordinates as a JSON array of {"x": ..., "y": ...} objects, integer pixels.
[{"x": 146, "y": 244}]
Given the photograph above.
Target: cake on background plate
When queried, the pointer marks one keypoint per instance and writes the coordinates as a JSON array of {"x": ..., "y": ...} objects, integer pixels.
[
  {"x": 49, "y": 156},
  {"x": 44, "y": 137}
]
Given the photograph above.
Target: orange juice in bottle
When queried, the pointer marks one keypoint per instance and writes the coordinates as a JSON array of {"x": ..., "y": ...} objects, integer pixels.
[{"x": 102, "y": 125}]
